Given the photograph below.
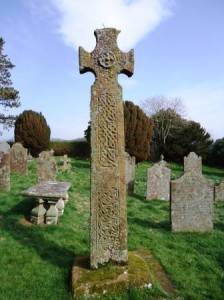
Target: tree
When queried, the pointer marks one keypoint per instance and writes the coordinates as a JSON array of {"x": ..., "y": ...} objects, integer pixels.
[
  {"x": 32, "y": 131},
  {"x": 189, "y": 137},
  {"x": 87, "y": 132},
  {"x": 138, "y": 131},
  {"x": 217, "y": 154},
  {"x": 9, "y": 97},
  {"x": 166, "y": 115}
]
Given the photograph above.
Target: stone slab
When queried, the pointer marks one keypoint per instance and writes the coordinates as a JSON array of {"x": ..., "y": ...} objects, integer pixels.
[{"x": 48, "y": 189}]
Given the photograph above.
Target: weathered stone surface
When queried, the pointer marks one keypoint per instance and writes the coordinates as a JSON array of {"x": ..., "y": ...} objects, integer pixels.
[
  {"x": 129, "y": 173},
  {"x": 158, "y": 182},
  {"x": 193, "y": 163},
  {"x": 4, "y": 167},
  {"x": 50, "y": 197},
  {"x": 46, "y": 167},
  {"x": 192, "y": 203},
  {"x": 18, "y": 159},
  {"x": 219, "y": 192},
  {"x": 108, "y": 190},
  {"x": 4, "y": 147},
  {"x": 66, "y": 163},
  {"x": 48, "y": 189}
]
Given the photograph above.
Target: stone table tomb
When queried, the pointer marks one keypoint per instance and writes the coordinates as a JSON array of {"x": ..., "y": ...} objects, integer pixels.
[{"x": 50, "y": 197}]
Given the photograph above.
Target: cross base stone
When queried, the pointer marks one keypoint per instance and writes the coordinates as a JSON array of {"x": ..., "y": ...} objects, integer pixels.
[{"x": 141, "y": 272}]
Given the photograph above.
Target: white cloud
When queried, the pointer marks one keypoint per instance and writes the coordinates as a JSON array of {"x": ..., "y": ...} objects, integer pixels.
[
  {"x": 135, "y": 18},
  {"x": 205, "y": 105}
]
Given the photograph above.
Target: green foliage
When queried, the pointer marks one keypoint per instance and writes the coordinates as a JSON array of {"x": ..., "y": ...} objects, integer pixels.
[
  {"x": 188, "y": 137},
  {"x": 87, "y": 132},
  {"x": 79, "y": 149},
  {"x": 32, "y": 131},
  {"x": 138, "y": 131},
  {"x": 217, "y": 154},
  {"x": 165, "y": 123},
  {"x": 9, "y": 97}
]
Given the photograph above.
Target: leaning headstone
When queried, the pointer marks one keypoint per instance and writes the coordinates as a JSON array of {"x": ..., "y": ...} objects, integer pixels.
[
  {"x": 193, "y": 163},
  {"x": 4, "y": 167},
  {"x": 108, "y": 232},
  {"x": 158, "y": 181},
  {"x": 18, "y": 159},
  {"x": 219, "y": 191},
  {"x": 192, "y": 203},
  {"x": 46, "y": 167},
  {"x": 129, "y": 173}
]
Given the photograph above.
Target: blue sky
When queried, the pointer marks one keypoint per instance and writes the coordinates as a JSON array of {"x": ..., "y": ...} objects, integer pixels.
[{"x": 178, "y": 45}]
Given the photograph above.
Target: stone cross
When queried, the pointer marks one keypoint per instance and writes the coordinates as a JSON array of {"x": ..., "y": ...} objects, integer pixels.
[{"x": 108, "y": 229}]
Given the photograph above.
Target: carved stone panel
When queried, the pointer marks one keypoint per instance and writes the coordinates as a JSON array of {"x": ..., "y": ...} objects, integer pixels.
[{"x": 108, "y": 190}]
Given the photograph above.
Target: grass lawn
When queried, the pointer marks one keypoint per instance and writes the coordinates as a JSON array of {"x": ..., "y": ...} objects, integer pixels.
[{"x": 36, "y": 261}]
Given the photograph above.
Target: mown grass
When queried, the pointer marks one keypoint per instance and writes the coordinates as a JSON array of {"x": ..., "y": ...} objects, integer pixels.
[{"x": 36, "y": 261}]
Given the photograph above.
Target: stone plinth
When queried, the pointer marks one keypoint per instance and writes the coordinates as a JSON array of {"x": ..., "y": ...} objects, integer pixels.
[{"x": 113, "y": 279}]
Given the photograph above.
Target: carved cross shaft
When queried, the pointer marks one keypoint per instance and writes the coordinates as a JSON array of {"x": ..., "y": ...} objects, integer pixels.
[{"x": 108, "y": 230}]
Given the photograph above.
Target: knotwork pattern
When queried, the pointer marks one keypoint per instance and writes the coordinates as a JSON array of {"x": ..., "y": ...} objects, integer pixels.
[
  {"x": 107, "y": 130},
  {"x": 108, "y": 218}
]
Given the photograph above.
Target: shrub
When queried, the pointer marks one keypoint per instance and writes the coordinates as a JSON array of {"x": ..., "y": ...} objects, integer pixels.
[{"x": 32, "y": 131}]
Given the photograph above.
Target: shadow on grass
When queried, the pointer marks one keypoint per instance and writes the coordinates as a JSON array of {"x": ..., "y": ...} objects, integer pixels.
[
  {"x": 219, "y": 226},
  {"x": 32, "y": 236},
  {"x": 81, "y": 164},
  {"x": 139, "y": 197},
  {"x": 161, "y": 226}
]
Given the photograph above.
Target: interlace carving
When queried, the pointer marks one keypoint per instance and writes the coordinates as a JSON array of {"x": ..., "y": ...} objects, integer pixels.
[{"x": 107, "y": 134}]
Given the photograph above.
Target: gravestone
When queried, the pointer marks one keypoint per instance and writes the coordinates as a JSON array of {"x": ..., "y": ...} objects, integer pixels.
[
  {"x": 108, "y": 229},
  {"x": 219, "y": 191},
  {"x": 18, "y": 159},
  {"x": 158, "y": 182},
  {"x": 4, "y": 167},
  {"x": 46, "y": 167},
  {"x": 66, "y": 163},
  {"x": 193, "y": 163},
  {"x": 129, "y": 173},
  {"x": 192, "y": 203}
]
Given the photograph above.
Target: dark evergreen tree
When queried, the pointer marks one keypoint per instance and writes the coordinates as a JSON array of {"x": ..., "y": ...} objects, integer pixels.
[
  {"x": 9, "y": 97},
  {"x": 138, "y": 131},
  {"x": 32, "y": 131},
  {"x": 188, "y": 137},
  {"x": 87, "y": 132},
  {"x": 217, "y": 154}
]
